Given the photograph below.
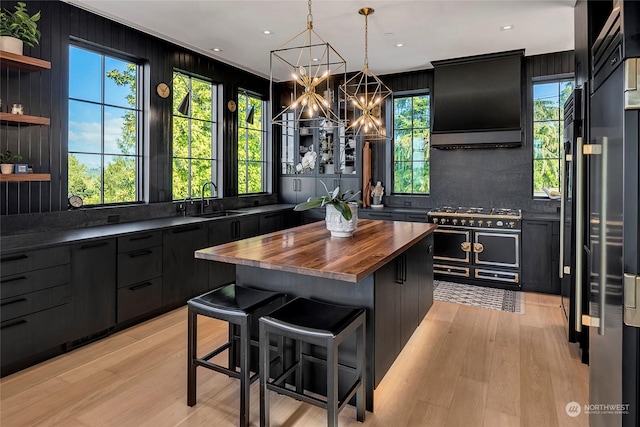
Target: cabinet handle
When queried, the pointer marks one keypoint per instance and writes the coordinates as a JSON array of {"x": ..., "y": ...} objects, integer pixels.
[
  {"x": 604, "y": 198},
  {"x": 185, "y": 229},
  {"x": 430, "y": 249},
  {"x": 4, "y": 304},
  {"x": 14, "y": 323},
  {"x": 401, "y": 269},
  {"x": 140, "y": 253},
  {"x": 140, "y": 286},
  {"x": 94, "y": 245},
  {"x": 14, "y": 258},
  {"x": 579, "y": 243},
  {"x": 134, "y": 239},
  {"x": 13, "y": 279},
  {"x": 236, "y": 226}
]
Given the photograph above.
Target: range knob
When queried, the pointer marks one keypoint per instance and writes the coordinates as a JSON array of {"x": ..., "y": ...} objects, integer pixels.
[
  {"x": 480, "y": 223},
  {"x": 499, "y": 223},
  {"x": 435, "y": 220},
  {"x": 463, "y": 221},
  {"x": 512, "y": 224},
  {"x": 443, "y": 220},
  {"x": 471, "y": 222},
  {"x": 455, "y": 221},
  {"x": 489, "y": 223}
]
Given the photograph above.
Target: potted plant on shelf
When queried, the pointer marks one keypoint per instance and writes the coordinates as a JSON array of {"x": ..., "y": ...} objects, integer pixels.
[
  {"x": 7, "y": 161},
  {"x": 342, "y": 210},
  {"x": 18, "y": 28}
]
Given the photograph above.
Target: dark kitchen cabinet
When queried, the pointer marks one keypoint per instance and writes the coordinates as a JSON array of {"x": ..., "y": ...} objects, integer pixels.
[
  {"x": 271, "y": 221},
  {"x": 383, "y": 215},
  {"x": 183, "y": 275},
  {"x": 297, "y": 189},
  {"x": 93, "y": 287},
  {"x": 404, "y": 294},
  {"x": 540, "y": 256},
  {"x": 139, "y": 274},
  {"x": 35, "y": 306}
]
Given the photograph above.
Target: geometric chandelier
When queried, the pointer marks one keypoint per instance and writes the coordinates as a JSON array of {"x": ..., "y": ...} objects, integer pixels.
[
  {"x": 307, "y": 63},
  {"x": 366, "y": 92}
]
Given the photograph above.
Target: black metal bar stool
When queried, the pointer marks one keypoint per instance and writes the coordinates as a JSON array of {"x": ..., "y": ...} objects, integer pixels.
[
  {"x": 319, "y": 324},
  {"x": 240, "y": 306}
]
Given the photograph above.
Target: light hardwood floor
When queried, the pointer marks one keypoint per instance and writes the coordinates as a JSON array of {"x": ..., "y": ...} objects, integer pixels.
[{"x": 464, "y": 366}]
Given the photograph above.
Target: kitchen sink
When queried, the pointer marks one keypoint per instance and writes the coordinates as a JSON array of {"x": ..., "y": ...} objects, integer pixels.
[{"x": 217, "y": 214}]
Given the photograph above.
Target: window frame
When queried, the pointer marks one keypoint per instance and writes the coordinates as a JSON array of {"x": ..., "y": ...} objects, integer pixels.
[
  {"x": 391, "y": 119},
  {"x": 264, "y": 132},
  {"x": 558, "y": 79},
  {"x": 141, "y": 110},
  {"x": 216, "y": 159}
]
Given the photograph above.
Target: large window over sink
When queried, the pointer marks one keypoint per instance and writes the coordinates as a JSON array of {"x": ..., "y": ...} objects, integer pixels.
[
  {"x": 411, "y": 143},
  {"x": 548, "y": 124}
]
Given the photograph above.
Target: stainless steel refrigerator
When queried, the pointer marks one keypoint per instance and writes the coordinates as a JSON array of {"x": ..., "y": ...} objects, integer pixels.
[{"x": 609, "y": 215}]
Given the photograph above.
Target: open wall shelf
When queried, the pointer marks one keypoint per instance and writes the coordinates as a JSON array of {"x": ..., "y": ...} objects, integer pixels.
[
  {"x": 16, "y": 119},
  {"x": 23, "y": 63},
  {"x": 21, "y": 177}
]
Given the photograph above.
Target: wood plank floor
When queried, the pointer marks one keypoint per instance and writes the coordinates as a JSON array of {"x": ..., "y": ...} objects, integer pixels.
[{"x": 464, "y": 366}]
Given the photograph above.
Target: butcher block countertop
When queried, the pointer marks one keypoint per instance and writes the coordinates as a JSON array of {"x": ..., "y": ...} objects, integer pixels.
[{"x": 310, "y": 250}]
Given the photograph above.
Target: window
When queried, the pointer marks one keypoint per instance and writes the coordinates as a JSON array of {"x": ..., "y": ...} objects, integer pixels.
[
  {"x": 252, "y": 167},
  {"x": 195, "y": 135},
  {"x": 548, "y": 126},
  {"x": 411, "y": 133},
  {"x": 105, "y": 132}
]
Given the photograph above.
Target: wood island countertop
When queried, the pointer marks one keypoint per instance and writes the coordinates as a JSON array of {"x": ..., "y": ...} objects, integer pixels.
[{"x": 310, "y": 250}]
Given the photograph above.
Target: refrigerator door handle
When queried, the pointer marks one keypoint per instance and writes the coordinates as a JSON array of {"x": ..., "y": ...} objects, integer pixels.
[
  {"x": 603, "y": 237},
  {"x": 563, "y": 202},
  {"x": 631, "y": 300},
  {"x": 579, "y": 248}
]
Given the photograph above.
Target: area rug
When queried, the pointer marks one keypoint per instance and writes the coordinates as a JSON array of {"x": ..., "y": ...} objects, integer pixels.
[{"x": 479, "y": 296}]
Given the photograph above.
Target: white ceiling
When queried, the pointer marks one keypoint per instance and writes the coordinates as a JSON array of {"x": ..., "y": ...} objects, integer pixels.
[{"x": 429, "y": 29}]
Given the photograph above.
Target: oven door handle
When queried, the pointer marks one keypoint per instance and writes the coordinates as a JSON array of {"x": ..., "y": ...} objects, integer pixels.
[
  {"x": 478, "y": 248},
  {"x": 465, "y": 246}
]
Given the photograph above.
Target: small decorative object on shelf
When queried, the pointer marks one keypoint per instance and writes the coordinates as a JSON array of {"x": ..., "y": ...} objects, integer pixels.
[
  {"x": 376, "y": 193},
  {"x": 342, "y": 210},
  {"x": 308, "y": 162},
  {"x": 17, "y": 109},
  {"x": 18, "y": 28},
  {"x": 21, "y": 168}
]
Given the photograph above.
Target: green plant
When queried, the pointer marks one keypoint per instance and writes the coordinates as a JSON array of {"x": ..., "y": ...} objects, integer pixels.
[
  {"x": 339, "y": 200},
  {"x": 20, "y": 25},
  {"x": 9, "y": 158}
]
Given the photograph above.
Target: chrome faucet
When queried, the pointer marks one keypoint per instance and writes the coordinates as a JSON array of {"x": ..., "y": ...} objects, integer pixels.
[{"x": 214, "y": 193}]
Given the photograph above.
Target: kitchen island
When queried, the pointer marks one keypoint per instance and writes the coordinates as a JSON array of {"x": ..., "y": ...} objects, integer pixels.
[{"x": 385, "y": 267}]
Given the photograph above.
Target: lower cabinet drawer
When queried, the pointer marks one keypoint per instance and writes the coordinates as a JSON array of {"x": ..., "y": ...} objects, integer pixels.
[
  {"x": 138, "y": 299},
  {"x": 29, "y": 335},
  {"x": 36, "y": 280},
  {"x": 137, "y": 266},
  {"x": 25, "y": 304},
  {"x": 34, "y": 260}
]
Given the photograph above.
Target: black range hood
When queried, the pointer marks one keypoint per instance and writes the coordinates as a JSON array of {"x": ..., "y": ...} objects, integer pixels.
[{"x": 477, "y": 101}]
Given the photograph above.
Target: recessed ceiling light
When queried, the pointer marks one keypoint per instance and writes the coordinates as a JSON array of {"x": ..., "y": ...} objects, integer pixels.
[
  {"x": 388, "y": 34},
  {"x": 506, "y": 27},
  {"x": 315, "y": 59},
  {"x": 216, "y": 49},
  {"x": 267, "y": 32},
  {"x": 399, "y": 44}
]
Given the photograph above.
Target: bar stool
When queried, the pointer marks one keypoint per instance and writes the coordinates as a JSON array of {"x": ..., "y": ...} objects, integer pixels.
[
  {"x": 240, "y": 306},
  {"x": 320, "y": 324}
]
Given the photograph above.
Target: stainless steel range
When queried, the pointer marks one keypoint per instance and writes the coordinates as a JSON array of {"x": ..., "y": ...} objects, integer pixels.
[{"x": 477, "y": 245}]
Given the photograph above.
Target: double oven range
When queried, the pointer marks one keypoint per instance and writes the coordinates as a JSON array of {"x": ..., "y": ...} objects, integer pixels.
[{"x": 477, "y": 245}]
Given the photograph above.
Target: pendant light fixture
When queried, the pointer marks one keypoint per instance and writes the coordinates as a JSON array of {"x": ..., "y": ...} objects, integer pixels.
[
  {"x": 311, "y": 63},
  {"x": 366, "y": 92}
]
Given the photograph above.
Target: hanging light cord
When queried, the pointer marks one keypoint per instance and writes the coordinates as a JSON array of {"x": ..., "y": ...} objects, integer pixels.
[
  {"x": 366, "y": 41},
  {"x": 309, "y": 17}
]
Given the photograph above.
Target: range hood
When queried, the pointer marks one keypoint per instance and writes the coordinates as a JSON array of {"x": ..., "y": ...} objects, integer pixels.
[{"x": 477, "y": 101}]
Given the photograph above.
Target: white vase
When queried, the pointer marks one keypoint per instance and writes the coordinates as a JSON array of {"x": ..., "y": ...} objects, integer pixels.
[
  {"x": 11, "y": 44},
  {"x": 6, "y": 168},
  {"x": 337, "y": 225}
]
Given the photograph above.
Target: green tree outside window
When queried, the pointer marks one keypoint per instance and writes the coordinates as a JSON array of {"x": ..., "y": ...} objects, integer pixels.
[
  {"x": 251, "y": 145},
  {"x": 548, "y": 125},
  {"x": 194, "y": 137},
  {"x": 411, "y": 143}
]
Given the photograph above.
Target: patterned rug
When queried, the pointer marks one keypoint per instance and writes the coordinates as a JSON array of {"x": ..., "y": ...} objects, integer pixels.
[{"x": 479, "y": 296}]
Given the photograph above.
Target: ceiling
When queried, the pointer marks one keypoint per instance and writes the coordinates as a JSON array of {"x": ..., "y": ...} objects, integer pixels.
[{"x": 429, "y": 30}]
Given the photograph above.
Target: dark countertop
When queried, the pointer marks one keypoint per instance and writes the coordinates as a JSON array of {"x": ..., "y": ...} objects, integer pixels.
[
  {"x": 541, "y": 216},
  {"x": 309, "y": 249},
  {"x": 22, "y": 242}
]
